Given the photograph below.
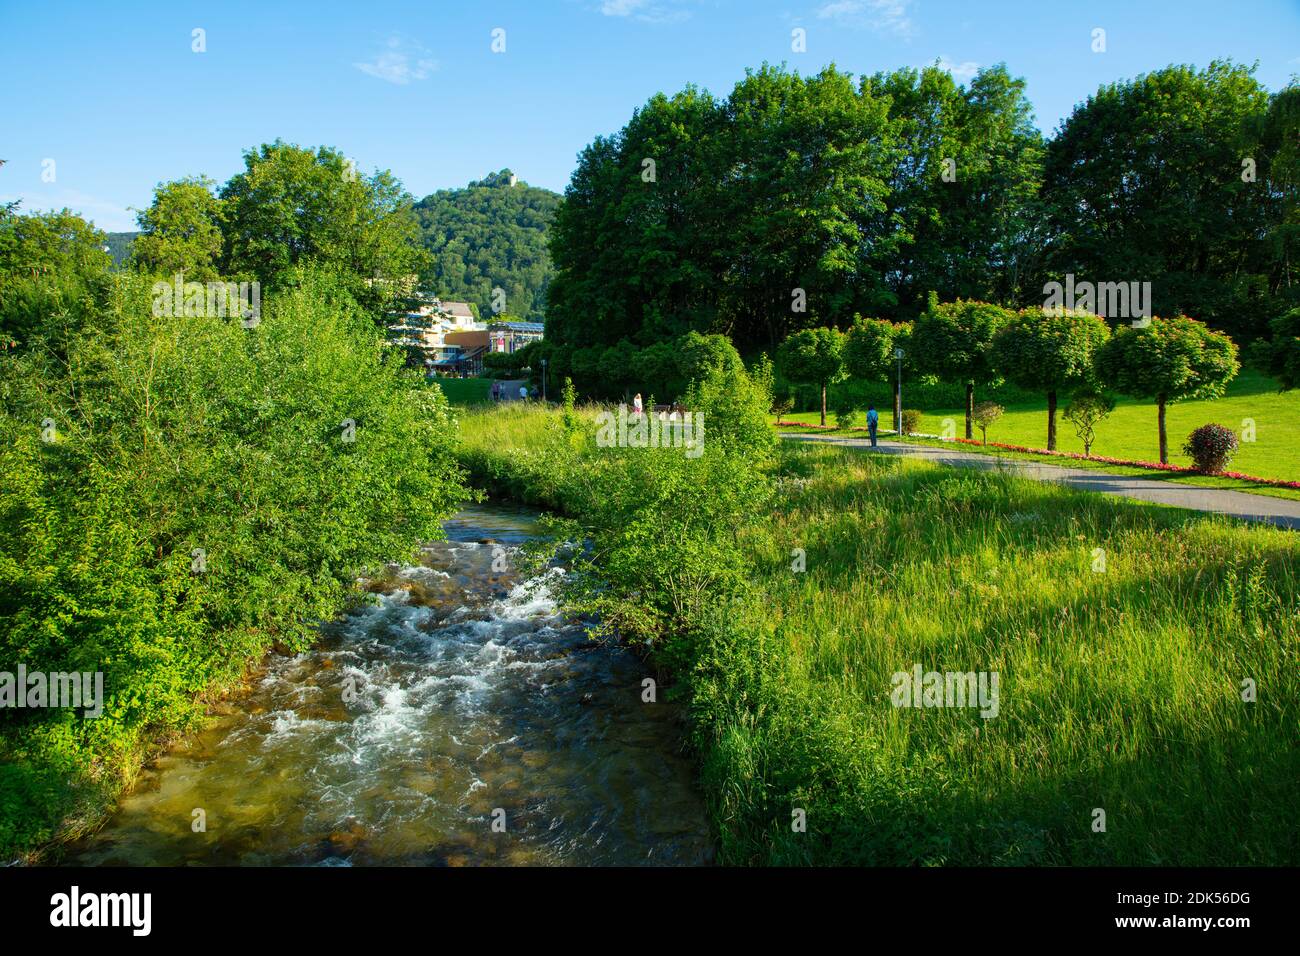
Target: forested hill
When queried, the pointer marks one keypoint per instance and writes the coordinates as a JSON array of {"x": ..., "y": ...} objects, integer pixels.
[
  {"x": 119, "y": 245},
  {"x": 490, "y": 234}
]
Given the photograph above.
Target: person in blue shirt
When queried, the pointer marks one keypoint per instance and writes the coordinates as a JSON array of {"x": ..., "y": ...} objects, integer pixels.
[{"x": 873, "y": 418}]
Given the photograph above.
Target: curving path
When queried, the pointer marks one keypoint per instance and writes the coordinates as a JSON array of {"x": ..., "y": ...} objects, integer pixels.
[{"x": 1282, "y": 512}]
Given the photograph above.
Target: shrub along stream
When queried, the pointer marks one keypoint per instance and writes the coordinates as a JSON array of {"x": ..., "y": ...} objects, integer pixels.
[{"x": 179, "y": 495}]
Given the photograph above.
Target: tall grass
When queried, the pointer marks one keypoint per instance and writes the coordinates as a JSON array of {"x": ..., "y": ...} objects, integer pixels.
[
  {"x": 1120, "y": 689},
  {"x": 1122, "y": 634}
]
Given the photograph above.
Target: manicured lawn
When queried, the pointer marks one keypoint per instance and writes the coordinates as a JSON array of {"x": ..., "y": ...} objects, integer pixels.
[
  {"x": 1131, "y": 431},
  {"x": 466, "y": 391}
]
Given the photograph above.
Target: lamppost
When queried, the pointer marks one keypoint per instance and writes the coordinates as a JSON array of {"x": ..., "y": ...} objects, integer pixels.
[
  {"x": 898, "y": 394},
  {"x": 543, "y": 380}
]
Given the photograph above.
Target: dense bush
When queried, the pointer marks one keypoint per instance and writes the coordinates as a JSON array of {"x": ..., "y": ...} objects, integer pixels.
[
  {"x": 619, "y": 371},
  {"x": 290, "y": 457},
  {"x": 1211, "y": 447},
  {"x": 911, "y": 420},
  {"x": 662, "y": 528}
]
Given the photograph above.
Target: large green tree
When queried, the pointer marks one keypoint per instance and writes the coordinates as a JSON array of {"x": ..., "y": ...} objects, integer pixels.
[
  {"x": 291, "y": 204},
  {"x": 181, "y": 230},
  {"x": 963, "y": 187},
  {"x": 1049, "y": 351},
  {"x": 53, "y": 276},
  {"x": 1169, "y": 360},
  {"x": 869, "y": 353},
  {"x": 1147, "y": 181},
  {"x": 745, "y": 216},
  {"x": 813, "y": 357},
  {"x": 954, "y": 340}
]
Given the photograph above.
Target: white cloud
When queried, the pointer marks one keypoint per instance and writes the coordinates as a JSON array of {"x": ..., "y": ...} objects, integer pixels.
[
  {"x": 647, "y": 11},
  {"x": 960, "y": 71},
  {"x": 622, "y": 8},
  {"x": 883, "y": 16},
  {"x": 400, "y": 62}
]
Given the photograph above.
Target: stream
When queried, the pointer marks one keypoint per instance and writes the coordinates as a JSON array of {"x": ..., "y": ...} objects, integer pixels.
[{"x": 460, "y": 700}]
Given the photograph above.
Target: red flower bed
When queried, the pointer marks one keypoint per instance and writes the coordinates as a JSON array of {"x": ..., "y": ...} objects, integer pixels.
[
  {"x": 1153, "y": 465},
  {"x": 781, "y": 424}
]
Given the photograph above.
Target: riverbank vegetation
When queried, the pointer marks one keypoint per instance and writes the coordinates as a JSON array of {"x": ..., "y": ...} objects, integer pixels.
[
  {"x": 177, "y": 496},
  {"x": 1125, "y": 637}
]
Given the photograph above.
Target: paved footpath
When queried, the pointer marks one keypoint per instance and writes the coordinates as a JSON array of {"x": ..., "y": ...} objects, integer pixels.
[{"x": 1283, "y": 512}]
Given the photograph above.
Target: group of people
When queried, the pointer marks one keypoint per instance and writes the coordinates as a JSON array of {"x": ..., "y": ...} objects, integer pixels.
[{"x": 499, "y": 392}]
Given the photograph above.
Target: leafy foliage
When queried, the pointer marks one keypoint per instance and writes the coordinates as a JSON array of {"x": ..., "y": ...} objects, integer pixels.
[
  {"x": 954, "y": 341},
  {"x": 292, "y": 204},
  {"x": 1168, "y": 360},
  {"x": 1049, "y": 351},
  {"x": 173, "y": 435},
  {"x": 986, "y": 413},
  {"x": 1211, "y": 447},
  {"x": 1144, "y": 182},
  {"x": 181, "y": 231},
  {"x": 813, "y": 357},
  {"x": 1279, "y": 355},
  {"x": 53, "y": 274}
]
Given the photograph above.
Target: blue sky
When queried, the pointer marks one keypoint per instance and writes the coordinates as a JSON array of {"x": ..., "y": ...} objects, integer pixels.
[{"x": 116, "y": 97}]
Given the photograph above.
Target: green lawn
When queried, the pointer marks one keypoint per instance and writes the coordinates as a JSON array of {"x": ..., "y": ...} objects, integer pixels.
[
  {"x": 466, "y": 391},
  {"x": 1131, "y": 431}
]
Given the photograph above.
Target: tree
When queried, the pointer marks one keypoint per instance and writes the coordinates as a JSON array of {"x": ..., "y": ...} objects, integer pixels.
[
  {"x": 1170, "y": 360},
  {"x": 1145, "y": 181},
  {"x": 746, "y": 216},
  {"x": 291, "y": 204},
  {"x": 1049, "y": 351},
  {"x": 181, "y": 230},
  {"x": 869, "y": 353},
  {"x": 1087, "y": 409},
  {"x": 53, "y": 277},
  {"x": 1280, "y": 355},
  {"x": 986, "y": 413},
  {"x": 698, "y": 355},
  {"x": 954, "y": 341},
  {"x": 1281, "y": 193},
  {"x": 813, "y": 357},
  {"x": 962, "y": 187}
]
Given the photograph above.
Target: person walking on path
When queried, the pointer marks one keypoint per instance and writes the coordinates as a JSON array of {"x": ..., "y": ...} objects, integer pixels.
[
  {"x": 496, "y": 391},
  {"x": 873, "y": 419},
  {"x": 523, "y": 393},
  {"x": 636, "y": 405}
]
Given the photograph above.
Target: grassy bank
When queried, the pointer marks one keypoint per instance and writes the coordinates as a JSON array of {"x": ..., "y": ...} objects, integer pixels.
[{"x": 1121, "y": 634}]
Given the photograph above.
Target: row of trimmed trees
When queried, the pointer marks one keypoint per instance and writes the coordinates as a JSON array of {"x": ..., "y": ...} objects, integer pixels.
[{"x": 1052, "y": 352}]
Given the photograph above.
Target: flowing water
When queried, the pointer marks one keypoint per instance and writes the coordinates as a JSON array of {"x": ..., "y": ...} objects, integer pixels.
[{"x": 462, "y": 698}]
